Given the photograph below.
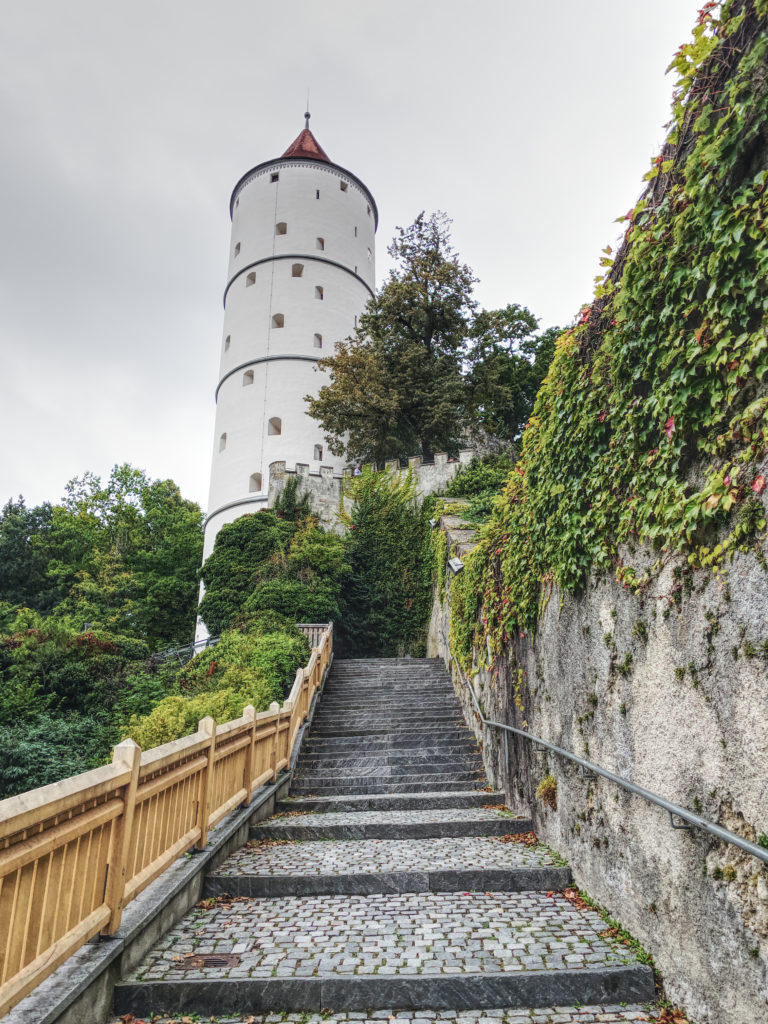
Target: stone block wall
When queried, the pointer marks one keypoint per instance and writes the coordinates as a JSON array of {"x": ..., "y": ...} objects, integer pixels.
[
  {"x": 669, "y": 689},
  {"x": 324, "y": 486}
]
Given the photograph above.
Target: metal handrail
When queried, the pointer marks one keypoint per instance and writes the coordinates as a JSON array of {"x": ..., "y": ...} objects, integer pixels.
[{"x": 694, "y": 820}]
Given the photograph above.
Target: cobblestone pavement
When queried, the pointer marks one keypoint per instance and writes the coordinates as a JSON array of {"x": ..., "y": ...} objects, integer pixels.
[
  {"x": 430, "y": 816},
  {"x": 368, "y": 856},
  {"x": 408, "y": 934},
  {"x": 543, "y": 1015}
]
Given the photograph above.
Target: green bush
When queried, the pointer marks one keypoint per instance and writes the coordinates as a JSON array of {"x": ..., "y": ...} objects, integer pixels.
[
  {"x": 388, "y": 591},
  {"x": 482, "y": 476},
  {"x": 229, "y": 572},
  {"x": 50, "y": 747}
]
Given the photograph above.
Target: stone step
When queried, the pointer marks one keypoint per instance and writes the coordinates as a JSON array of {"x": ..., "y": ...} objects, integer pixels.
[
  {"x": 360, "y": 767},
  {"x": 363, "y": 867},
  {"x": 394, "y": 802},
  {"x": 430, "y": 823},
  {"x": 387, "y": 706},
  {"x": 314, "y": 783},
  {"x": 407, "y": 951},
  {"x": 370, "y": 788},
  {"x": 391, "y": 741},
  {"x": 382, "y": 758},
  {"x": 430, "y": 728},
  {"x": 615, "y": 1013}
]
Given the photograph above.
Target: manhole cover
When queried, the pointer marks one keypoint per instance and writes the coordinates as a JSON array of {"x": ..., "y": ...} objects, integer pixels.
[{"x": 200, "y": 960}]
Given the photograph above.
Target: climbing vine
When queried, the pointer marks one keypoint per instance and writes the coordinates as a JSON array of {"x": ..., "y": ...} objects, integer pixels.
[{"x": 652, "y": 423}]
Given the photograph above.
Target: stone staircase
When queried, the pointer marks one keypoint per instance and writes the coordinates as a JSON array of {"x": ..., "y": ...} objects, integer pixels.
[{"x": 391, "y": 883}]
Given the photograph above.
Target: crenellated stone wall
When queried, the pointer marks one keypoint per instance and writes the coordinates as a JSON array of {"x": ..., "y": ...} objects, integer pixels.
[
  {"x": 324, "y": 486},
  {"x": 669, "y": 689}
]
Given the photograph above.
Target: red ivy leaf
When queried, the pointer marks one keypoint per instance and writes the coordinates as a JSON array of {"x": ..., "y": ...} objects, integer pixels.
[
  {"x": 758, "y": 484},
  {"x": 669, "y": 427}
]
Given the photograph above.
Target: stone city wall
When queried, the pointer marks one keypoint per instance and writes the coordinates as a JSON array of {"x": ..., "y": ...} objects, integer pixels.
[{"x": 324, "y": 486}]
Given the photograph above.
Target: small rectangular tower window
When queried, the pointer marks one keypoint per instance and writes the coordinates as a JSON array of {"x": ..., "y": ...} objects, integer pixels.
[
  {"x": 317, "y": 193},
  {"x": 251, "y": 279},
  {"x": 343, "y": 185},
  {"x": 222, "y": 442},
  {"x": 247, "y": 378},
  {"x": 226, "y": 343},
  {"x": 237, "y": 249},
  {"x": 318, "y": 292},
  {"x": 318, "y": 454},
  {"x": 281, "y": 228},
  {"x": 274, "y": 177},
  {"x": 320, "y": 243},
  {"x": 355, "y": 230},
  {"x": 275, "y": 425},
  {"x": 254, "y": 484},
  {"x": 318, "y": 341},
  {"x": 368, "y": 210},
  {"x": 297, "y": 270},
  {"x": 278, "y": 320}
]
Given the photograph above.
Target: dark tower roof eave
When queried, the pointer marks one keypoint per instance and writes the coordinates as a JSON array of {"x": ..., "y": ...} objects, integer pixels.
[{"x": 301, "y": 160}]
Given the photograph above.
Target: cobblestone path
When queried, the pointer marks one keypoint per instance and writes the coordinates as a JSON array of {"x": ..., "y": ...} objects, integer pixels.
[{"x": 390, "y": 903}]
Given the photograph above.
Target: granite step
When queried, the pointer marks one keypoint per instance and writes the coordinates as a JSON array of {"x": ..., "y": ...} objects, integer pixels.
[
  {"x": 364, "y": 867},
  {"x": 311, "y": 783},
  {"x": 463, "y": 770},
  {"x": 389, "y": 740},
  {"x": 370, "y": 788},
  {"x": 429, "y": 823},
  {"x": 408, "y": 951},
  {"x": 420, "y": 755},
  {"x": 604, "y": 1013},
  {"x": 394, "y": 802}
]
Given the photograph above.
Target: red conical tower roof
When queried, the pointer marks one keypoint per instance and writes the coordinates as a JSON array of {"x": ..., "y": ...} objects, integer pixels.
[{"x": 307, "y": 146}]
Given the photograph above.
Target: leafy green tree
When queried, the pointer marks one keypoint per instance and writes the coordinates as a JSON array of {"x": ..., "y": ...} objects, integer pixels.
[
  {"x": 24, "y": 556},
  {"x": 508, "y": 361},
  {"x": 396, "y": 385}
]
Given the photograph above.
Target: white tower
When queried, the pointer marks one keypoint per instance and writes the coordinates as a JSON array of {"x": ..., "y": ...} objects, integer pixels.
[{"x": 301, "y": 268}]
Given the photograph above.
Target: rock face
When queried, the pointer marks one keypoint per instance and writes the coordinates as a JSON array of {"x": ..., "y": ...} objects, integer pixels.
[{"x": 670, "y": 690}]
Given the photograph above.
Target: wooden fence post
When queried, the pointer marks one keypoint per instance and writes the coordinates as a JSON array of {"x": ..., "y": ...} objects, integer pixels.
[
  {"x": 207, "y": 727},
  {"x": 125, "y": 755},
  {"x": 274, "y": 707},
  {"x": 249, "y": 714}
]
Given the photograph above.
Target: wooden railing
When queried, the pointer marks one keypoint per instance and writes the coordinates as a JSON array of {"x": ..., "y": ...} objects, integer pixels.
[{"x": 74, "y": 853}]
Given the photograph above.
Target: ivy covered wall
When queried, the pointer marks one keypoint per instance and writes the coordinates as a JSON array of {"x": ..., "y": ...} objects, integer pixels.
[{"x": 617, "y": 601}]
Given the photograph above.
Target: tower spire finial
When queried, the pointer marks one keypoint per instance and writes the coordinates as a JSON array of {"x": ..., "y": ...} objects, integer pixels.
[{"x": 306, "y": 113}]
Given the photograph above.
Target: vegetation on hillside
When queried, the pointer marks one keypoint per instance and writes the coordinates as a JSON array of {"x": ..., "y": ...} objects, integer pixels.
[
  {"x": 651, "y": 425},
  {"x": 89, "y": 588}
]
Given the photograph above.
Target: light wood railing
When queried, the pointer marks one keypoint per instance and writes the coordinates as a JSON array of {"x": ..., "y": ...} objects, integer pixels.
[{"x": 74, "y": 853}]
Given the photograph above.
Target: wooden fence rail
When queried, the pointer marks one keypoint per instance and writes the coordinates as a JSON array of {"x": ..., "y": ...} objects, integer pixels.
[{"x": 74, "y": 853}]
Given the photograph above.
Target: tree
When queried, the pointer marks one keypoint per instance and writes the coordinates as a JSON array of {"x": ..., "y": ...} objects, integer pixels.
[
  {"x": 508, "y": 362},
  {"x": 424, "y": 370},
  {"x": 24, "y": 556},
  {"x": 396, "y": 385}
]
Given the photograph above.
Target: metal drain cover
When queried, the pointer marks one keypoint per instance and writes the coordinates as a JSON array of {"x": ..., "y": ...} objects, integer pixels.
[{"x": 202, "y": 960}]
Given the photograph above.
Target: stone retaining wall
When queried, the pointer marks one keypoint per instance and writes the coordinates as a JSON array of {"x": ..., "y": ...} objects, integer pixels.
[{"x": 670, "y": 690}]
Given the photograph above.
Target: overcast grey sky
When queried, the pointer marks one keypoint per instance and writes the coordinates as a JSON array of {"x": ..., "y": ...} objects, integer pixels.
[{"x": 124, "y": 128}]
